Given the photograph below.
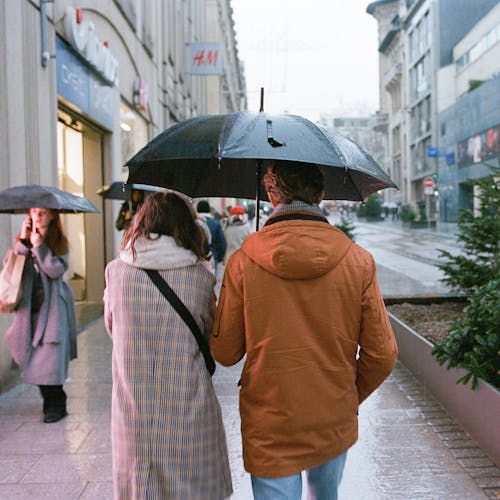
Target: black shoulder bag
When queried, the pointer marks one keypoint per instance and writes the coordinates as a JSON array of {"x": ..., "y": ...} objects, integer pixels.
[{"x": 184, "y": 313}]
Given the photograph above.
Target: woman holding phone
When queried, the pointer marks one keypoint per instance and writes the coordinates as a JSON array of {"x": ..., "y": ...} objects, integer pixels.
[{"x": 42, "y": 337}]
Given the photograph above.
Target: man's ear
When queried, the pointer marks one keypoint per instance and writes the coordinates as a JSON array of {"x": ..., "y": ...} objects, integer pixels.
[{"x": 272, "y": 199}]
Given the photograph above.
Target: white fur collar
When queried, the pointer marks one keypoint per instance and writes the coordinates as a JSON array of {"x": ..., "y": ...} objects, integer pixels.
[{"x": 160, "y": 253}]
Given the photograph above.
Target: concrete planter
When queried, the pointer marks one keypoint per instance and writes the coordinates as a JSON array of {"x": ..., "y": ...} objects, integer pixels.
[{"x": 476, "y": 411}]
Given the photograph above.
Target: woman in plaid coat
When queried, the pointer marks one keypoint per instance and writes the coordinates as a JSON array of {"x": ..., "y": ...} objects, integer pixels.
[{"x": 167, "y": 433}]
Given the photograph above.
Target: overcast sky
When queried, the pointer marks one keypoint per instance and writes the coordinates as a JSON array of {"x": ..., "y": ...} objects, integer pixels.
[{"x": 311, "y": 56}]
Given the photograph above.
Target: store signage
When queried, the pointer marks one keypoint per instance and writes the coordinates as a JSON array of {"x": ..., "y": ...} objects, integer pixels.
[
  {"x": 82, "y": 37},
  {"x": 81, "y": 87},
  {"x": 205, "y": 58},
  {"x": 141, "y": 94}
]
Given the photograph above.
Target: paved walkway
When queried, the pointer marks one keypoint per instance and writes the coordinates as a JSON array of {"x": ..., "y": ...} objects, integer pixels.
[{"x": 403, "y": 451}]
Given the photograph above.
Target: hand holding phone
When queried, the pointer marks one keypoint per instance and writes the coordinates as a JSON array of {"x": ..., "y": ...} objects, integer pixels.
[{"x": 26, "y": 228}]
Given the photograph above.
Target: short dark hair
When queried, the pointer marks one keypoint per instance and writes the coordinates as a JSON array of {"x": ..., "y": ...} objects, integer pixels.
[
  {"x": 166, "y": 213},
  {"x": 203, "y": 207},
  {"x": 288, "y": 181}
]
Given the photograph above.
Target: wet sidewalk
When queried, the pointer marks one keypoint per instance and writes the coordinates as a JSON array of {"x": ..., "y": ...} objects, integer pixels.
[
  {"x": 399, "y": 454},
  {"x": 405, "y": 450}
]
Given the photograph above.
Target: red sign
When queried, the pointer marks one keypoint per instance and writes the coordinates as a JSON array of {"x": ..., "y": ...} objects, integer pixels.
[{"x": 428, "y": 182}]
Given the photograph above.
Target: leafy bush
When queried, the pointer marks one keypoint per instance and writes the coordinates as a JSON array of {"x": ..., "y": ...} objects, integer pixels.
[
  {"x": 473, "y": 342},
  {"x": 372, "y": 207},
  {"x": 480, "y": 236},
  {"x": 407, "y": 213},
  {"x": 422, "y": 216},
  {"x": 347, "y": 226}
]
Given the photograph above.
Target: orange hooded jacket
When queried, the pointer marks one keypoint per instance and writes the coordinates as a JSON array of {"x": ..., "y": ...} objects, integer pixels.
[{"x": 303, "y": 302}]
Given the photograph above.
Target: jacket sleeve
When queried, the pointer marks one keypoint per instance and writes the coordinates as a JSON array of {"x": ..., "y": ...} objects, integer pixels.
[
  {"x": 228, "y": 335},
  {"x": 221, "y": 242},
  {"x": 54, "y": 266},
  {"x": 378, "y": 349}
]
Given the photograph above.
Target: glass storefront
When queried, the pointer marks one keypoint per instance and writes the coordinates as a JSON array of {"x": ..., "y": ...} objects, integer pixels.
[{"x": 134, "y": 134}]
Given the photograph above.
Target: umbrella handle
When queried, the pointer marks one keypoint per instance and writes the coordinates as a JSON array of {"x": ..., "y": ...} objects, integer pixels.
[{"x": 257, "y": 197}]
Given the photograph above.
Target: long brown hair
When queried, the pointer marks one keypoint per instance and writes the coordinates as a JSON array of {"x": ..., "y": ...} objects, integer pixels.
[
  {"x": 55, "y": 238},
  {"x": 166, "y": 214}
]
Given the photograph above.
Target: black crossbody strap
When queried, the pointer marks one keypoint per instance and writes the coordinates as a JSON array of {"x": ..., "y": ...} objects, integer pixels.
[{"x": 184, "y": 313}]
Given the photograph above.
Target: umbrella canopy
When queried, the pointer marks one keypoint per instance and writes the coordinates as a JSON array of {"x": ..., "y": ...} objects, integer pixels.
[
  {"x": 216, "y": 155},
  {"x": 20, "y": 199},
  {"x": 120, "y": 191}
]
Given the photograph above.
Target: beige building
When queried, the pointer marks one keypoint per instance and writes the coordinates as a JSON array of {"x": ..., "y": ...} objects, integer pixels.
[{"x": 84, "y": 86}]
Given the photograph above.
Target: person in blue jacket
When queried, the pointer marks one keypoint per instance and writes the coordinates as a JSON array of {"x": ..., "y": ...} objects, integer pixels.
[{"x": 218, "y": 243}]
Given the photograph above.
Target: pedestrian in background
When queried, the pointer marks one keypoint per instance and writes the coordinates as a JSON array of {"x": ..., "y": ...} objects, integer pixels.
[
  {"x": 299, "y": 299},
  {"x": 128, "y": 210},
  {"x": 218, "y": 241},
  {"x": 42, "y": 337},
  {"x": 167, "y": 434},
  {"x": 237, "y": 230}
]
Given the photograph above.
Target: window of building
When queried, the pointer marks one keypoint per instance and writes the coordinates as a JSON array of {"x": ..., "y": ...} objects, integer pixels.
[
  {"x": 134, "y": 133},
  {"x": 479, "y": 48},
  {"x": 396, "y": 140}
]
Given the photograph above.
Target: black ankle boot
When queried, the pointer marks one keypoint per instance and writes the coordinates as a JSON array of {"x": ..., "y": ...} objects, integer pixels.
[{"x": 54, "y": 403}]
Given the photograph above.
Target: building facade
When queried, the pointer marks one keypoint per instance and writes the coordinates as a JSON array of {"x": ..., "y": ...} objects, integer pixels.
[
  {"x": 86, "y": 85},
  {"x": 469, "y": 115},
  {"x": 417, "y": 38}
]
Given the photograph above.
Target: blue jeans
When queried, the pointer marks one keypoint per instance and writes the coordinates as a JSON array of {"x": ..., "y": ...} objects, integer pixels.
[{"x": 322, "y": 482}]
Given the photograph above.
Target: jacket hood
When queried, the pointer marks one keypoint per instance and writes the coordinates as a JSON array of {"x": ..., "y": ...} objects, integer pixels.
[{"x": 297, "y": 249}]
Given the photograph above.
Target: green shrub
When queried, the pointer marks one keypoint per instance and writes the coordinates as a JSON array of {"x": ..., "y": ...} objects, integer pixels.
[
  {"x": 422, "y": 216},
  {"x": 473, "y": 342},
  {"x": 480, "y": 237},
  {"x": 407, "y": 213},
  {"x": 372, "y": 207},
  {"x": 347, "y": 226}
]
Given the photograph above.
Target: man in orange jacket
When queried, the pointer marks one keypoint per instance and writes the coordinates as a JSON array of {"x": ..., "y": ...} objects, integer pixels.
[{"x": 302, "y": 301}]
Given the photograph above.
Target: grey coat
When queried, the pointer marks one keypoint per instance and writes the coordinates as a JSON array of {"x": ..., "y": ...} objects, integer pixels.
[
  {"x": 42, "y": 344},
  {"x": 167, "y": 433}
]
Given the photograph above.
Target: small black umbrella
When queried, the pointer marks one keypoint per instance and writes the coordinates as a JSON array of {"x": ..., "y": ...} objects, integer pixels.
[
  {"x": 20, "y": 199},
  {"x": 120, "y": 191},
  {"x": 216, "y": 155}
]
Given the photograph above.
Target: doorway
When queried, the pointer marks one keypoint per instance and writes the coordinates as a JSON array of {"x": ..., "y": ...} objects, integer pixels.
[{"x": 79, "y": 152}]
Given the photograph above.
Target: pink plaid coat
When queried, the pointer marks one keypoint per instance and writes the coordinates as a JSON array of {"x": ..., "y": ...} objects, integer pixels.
[{"x": 167, "y": 433}]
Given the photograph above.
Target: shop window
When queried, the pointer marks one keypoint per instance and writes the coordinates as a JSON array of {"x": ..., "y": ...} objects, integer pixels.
[{"x": 134, "y": 132}]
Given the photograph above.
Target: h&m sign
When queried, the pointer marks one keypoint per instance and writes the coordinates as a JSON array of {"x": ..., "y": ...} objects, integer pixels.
[{"x": 205, "y": 58}]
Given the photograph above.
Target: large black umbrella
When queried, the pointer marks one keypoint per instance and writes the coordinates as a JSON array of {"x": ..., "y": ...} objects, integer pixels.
[
  {"x": 120, "y": 191},
  {"x": 20, "y": 199},
  {"x": 216, "y": 155}
]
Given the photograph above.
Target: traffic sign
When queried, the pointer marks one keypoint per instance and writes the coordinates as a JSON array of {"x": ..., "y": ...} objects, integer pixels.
[{"x": 429, "y": 182}]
